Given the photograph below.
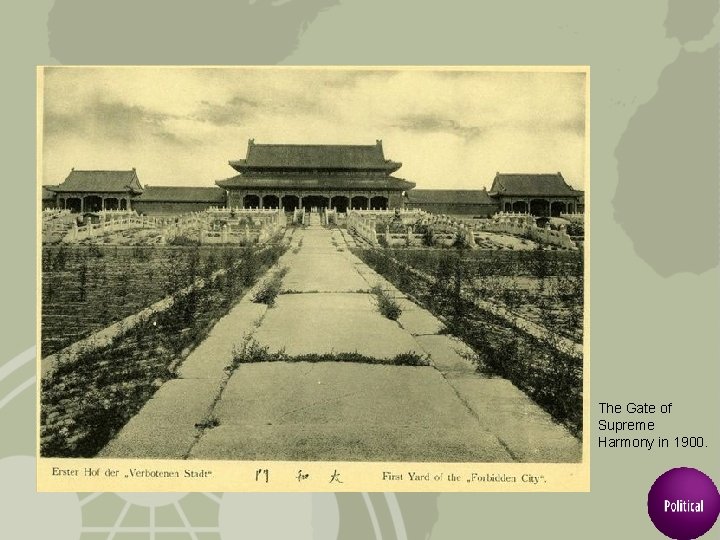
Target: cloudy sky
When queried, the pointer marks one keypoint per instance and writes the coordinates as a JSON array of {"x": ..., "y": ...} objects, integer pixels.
[{"x": 180, "y": 126}]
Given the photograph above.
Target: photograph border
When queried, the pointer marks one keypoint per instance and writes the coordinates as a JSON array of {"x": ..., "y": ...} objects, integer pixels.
[{"x": 241, "y": 476}]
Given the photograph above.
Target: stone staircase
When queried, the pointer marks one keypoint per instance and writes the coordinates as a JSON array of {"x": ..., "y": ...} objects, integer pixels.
[{"x": 313, "y": 219}]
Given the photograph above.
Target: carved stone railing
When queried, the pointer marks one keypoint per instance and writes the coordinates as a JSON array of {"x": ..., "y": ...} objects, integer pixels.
[
  {"x": 299, "y": 216},
  {"x": 524, "y": 225},
  {"x": 233, "y": 231},
  {"x": 51, "y": 214},
  {"x": 330, "y": 216},
  {"x": 363, "y": 226},
  {"x": 110, "y": 221}
]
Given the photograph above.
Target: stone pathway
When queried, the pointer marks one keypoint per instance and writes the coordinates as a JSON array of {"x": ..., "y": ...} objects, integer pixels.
[{"x": 333, "y": 410}]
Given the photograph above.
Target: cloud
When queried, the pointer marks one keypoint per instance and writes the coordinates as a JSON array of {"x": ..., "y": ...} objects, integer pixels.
[
  {"x": 230, "y": 113},
  {"x": 111, "y": 120},
  {"x": 429, "y": 123}
]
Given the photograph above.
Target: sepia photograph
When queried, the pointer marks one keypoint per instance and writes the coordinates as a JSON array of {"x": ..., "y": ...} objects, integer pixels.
[{"x": 369, "y": 265}]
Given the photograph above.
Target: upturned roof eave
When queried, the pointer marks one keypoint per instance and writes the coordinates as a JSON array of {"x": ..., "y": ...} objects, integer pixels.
[
  {"x": 533, "y": 194},
  {"x": 61, "y": 189},
  {"x": 250, "y": 182},
  {"x": 242, "y": 167}
]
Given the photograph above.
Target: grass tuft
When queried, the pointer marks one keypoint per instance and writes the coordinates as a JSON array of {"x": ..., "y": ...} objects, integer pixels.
[
  {"x": 252, "y": 352},
  {"x": 269, "y": 290},
  {"x": 387, "y": 306}
]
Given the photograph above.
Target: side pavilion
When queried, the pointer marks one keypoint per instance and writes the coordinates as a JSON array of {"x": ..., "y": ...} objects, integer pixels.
[
  {"x": 93, "y": 191},
  {"x": 542, "y": 195}
]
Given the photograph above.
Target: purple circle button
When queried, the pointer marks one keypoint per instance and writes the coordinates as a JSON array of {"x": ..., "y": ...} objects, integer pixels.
[{"x": 683, "y": 503}]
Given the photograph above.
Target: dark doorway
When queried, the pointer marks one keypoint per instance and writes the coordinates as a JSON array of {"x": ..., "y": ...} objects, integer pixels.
[
  {"x": 359, "y": 203},
  {"x": 251, "y": 201},
  {"x": 111, "y": 204},
  {"x": 508, "y": 207},
  {"x": 539, "y": 208},
  {"x": 340, "y": 203},
  {"x": 379, "y": 203},
  {"x": 92, "y": 203},
  {"x": 520, "y": 206},
  {"x": 316, "y": 202},
  {"x": 290, "y": 203},
  {"x": 271, "y": 201},
  {"x": 123, "y": 204},
  {"x": 73, "y": 204},
  {"x": 557, "y": 208}
]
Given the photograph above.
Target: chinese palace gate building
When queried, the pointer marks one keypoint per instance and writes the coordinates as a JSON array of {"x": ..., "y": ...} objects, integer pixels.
[{"x": 314, "y": 177}]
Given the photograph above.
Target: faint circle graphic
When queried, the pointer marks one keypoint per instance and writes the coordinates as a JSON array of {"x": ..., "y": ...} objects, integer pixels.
[
  {"x": 268, "y": 516},
  {"x": 152, "y": 499},
  {"x": 27, "y": 514},
  {"x": 167, "y": 515}
]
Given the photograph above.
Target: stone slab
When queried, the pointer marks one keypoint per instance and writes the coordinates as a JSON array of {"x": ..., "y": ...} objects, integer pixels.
[
  {"x": 374, "y": 279},
  {"x": 320, "y": 267},
  {"x": 530, "y": 434},
  {"x": 322, "y": 273},
  {"x": 447, "y": 355},
  {"x": 339, "y": 393},
  {"x": 343, "y": 443},
  {"x": 214, "y": 354},
  {"x": 344, "y": 411},
  {"x": 165, "y": 426},
  {"x": 416, "y": 320},
  {"x": 335, "y": 322}
]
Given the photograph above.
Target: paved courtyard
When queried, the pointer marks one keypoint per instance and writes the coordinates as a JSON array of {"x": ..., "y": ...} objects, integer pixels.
[{"x": 331, "y": 410}]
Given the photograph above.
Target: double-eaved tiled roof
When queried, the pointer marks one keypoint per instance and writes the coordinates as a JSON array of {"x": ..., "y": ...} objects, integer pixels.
[
  {"x": 539, "y": 185},
  {"x": 315, "y": 156},
  {"x": 100, "y": 181},
  {"x": 182, "y": 194}
]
